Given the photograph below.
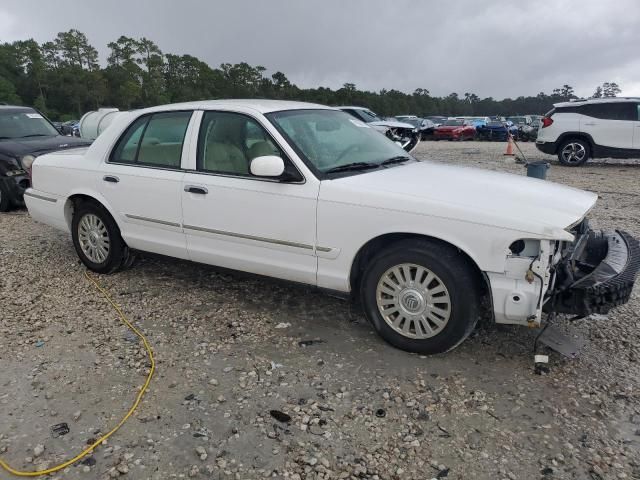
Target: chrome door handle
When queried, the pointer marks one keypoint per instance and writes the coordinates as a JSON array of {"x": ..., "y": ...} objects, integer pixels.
[
  {"x": 196, "y": 189},
  {"x": 590, "y": 124},
  {"x": 111, "y": 179}
]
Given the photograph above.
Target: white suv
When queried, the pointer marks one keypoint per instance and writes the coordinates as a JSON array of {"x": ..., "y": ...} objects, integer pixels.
[{"x": 595, "y": 128}]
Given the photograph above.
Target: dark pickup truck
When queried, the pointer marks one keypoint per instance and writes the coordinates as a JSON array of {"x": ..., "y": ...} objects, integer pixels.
[{"x": 24, "y": 134}]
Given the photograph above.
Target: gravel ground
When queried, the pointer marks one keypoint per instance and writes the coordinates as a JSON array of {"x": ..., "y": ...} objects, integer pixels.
[{"x": 228, "y": 353}]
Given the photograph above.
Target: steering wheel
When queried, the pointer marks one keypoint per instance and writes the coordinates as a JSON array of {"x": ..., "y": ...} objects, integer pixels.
[{"x": 347, "y": 151}]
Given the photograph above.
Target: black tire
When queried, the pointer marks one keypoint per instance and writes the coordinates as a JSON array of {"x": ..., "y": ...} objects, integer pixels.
[
  {"x": 5, "y": 201},
  {"x": 578, "y": 161},
  {"x": 451, "y": 268},
  {"x": 119, "y": 255}
]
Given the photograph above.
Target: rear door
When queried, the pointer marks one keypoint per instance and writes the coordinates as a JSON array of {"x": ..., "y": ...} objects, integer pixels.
[
  {"x": 142, "y": 182},
  {"x": 609, "y": 124}
]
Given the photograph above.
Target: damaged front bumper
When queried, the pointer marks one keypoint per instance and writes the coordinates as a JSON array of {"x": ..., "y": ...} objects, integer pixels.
[
  {"x": 593, "y": 274},
  {"x": 596, "y": 274}
]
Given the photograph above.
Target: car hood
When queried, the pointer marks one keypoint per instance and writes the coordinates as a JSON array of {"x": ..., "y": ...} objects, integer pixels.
[
  {"x": 536, "y": 207},
  {"x": 392, "y": 124},
  {"x": 39, "y": 145}
]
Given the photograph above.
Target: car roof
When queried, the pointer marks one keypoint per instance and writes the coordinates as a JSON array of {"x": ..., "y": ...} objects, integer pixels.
[
  {"x": 342, "y": 107},
  {"x": 596, "y": 100},
  {"x": 255, "y": 105},
  {"x": 15, "y": 108}
]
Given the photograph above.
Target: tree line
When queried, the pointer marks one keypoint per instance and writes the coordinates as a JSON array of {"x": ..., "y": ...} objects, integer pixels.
[{"x": 64, "y": 79}]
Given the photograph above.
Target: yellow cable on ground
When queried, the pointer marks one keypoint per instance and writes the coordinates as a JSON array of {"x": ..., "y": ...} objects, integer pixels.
[{"x": 90, "y": 449}]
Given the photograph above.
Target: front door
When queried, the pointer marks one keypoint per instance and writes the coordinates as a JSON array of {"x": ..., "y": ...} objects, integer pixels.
[
  {"x": 142, "y": 182},
  {"x": 235, "y": 220},
  {"x": 609, "y": 124}
]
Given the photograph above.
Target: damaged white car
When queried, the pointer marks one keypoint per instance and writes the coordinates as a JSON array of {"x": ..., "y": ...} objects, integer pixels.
[
  {"x": 404, "y": 134},
  {"x": 309, "y": 194}
]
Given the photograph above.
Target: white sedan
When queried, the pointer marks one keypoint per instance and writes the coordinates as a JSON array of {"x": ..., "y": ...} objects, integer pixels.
[{"x": 310, "y": 194}]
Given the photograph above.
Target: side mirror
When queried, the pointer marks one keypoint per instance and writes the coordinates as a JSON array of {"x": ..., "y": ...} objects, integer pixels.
[{"x": 267, "y": 166}]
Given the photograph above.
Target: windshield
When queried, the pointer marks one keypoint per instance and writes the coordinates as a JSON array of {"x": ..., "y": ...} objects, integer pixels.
[
  {"x": 369, "y": 116},
  {"x": 454, "y": 122},
  {"x": 25, "y": 123},
  {"x": 330, "y": 139}
]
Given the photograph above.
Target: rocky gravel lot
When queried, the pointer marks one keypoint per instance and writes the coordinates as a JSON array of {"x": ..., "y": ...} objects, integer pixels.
[{"x": 232, "y": 348}]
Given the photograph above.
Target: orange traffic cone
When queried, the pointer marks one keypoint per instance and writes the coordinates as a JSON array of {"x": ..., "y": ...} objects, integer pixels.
[{"x": 509, "y": 151}]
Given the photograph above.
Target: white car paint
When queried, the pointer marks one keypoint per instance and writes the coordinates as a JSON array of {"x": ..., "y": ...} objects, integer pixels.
[
  {"x": 311, "y": 231},
  {"x": 609, "y": 133}
]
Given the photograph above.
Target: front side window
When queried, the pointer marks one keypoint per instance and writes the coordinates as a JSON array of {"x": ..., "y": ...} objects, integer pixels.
[
  {"x": 154, "y": 140},
  {"x": 229, "y": 141},
  {"x": 329, "y": 138}
]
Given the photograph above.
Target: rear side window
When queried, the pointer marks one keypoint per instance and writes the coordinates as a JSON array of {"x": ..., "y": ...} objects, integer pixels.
[
  {"x": 611, "y": 111},
  {"x": 569, "y": 109},
  {"x": 638, "y": 111},
  {"x": 153, "y": 140}
]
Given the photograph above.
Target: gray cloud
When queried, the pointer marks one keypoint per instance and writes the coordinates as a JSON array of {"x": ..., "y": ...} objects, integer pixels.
[{"x": 492, "y": 48}]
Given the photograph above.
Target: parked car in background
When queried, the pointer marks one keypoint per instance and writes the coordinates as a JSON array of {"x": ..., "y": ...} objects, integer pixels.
[
  {"x": 529, "y": 133},
  {"x": 24, "y": 134},
  {"x": 455, "y": 129},
  {"x": 438, "y": 120},
  {"x": 497, "y": 130},
  {"x": 71, "y": 128},
  {"x": 595, "y": 128},
  {"x": 403, "y": 133},
  {"x": 425, "y": 126},
  {"x": 478, "y": 121},
  {"x": 309, "y": 194}
]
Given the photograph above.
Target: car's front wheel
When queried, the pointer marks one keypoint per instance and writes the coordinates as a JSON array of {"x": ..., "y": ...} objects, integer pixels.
[
  {"x": 97, "y": 239},
  {"x": 574, "y": 152},
  {"x": 421, "y": 296}
]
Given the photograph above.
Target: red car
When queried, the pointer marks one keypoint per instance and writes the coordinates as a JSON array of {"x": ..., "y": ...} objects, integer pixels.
[{"x": 455, "y": 129}]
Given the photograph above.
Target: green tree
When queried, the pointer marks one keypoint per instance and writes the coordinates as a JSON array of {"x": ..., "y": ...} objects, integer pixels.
[{"x": 610, "y": 89}]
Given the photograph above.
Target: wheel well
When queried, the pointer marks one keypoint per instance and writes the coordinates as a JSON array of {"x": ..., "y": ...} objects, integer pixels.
[
  {"x": 575, "y": 136},
  {"x": 71, "y": 204},
  {"x": 383, "y": 242}
]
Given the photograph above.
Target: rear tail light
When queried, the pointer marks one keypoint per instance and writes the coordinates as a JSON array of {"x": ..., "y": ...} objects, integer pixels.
[{"x": 546, "y": 122}]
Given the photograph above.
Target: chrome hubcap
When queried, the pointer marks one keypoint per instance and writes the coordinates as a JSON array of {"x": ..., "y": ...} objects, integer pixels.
[
  {"x": 413, "y": 301},
  {"x": 94, "y": 238},
  {"x": 573, "y": 153}
]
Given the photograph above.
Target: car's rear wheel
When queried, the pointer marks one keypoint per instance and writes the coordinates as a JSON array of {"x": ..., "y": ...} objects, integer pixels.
[
  {"x": 421, "y": 296},
  {"x": 574, "y": 152},
  {"x": 97, "y": 239}
]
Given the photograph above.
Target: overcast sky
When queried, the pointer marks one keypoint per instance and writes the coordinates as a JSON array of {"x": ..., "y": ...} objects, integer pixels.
[{"x": 488, "y": 47}]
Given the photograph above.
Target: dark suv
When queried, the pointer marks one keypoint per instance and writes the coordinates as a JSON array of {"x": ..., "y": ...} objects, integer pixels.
[{"x": 24, "y": 134}]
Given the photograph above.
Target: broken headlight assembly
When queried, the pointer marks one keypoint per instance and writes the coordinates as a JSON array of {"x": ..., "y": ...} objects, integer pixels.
[{"x": 595, "y": 273}]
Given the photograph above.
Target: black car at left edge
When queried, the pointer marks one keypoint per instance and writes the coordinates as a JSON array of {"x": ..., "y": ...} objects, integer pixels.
[{"x": 24, "y": 134}]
